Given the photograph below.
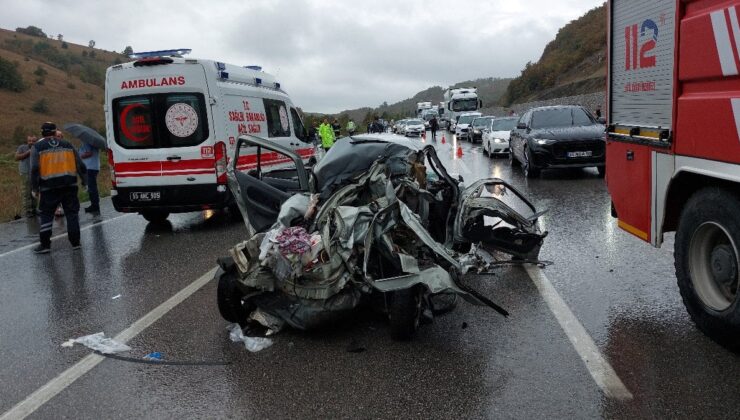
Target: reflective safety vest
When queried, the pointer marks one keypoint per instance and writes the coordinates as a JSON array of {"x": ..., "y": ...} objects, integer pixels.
[
  {"x": 55, "y": 164},
  {"x": 326, "y": 132}
]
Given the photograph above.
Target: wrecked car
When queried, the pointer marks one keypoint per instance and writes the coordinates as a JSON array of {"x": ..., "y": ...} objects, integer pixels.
[{"x": 377, "y": 220}]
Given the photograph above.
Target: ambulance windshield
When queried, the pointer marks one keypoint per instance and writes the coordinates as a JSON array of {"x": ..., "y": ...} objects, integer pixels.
[{"x": 160, "y": 120}]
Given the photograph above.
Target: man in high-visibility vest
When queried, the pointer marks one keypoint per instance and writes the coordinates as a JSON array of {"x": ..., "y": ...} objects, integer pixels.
[
  {"x": 351, "y": 127},
  {"x": 55, "y": 166},
  {"x": 326, "y": 132}
]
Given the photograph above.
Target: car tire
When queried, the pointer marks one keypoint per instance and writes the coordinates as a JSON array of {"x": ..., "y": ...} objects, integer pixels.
[
  {"x": 155, "y": 216},
  {"x": 707, "y": 261},
  {"x": 512, "y": 159},
  {"x": 527, "y": 168},
  {"x": 229, "y": 298},
  {"x": 601, "y": 170},
  {"x": 404, "y": 313}
]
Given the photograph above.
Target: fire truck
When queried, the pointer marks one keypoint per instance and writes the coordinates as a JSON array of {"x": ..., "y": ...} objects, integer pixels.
[{"x": 673, "y": 144}]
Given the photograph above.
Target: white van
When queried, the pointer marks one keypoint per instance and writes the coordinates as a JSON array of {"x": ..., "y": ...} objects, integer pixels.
[{"x": 172, "y": 125}]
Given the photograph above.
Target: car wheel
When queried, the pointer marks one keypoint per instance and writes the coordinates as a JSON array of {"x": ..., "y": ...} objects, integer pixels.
[
  {"x": 512, "y": 159},
  {"x": 155, "y": 216},
  {"x": 404, "y": 312},
  {"x": 601, "y": 170},
  {"x": 530, "y": 171},
  {"x": 707, "y": 261},
  {"x": 229, "y": 298}
]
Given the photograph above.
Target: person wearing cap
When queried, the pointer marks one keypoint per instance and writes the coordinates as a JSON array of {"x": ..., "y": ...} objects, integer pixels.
[
  {"x": 23, "y": 157},
  {"x": 55, "y": 166}
]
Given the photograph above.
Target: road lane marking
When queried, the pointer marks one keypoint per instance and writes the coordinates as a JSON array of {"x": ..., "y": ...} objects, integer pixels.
[
  {"x": 599, "y": 368},
  {"x": 61, "y": 235},
  {"x": 69, "y": 376}
]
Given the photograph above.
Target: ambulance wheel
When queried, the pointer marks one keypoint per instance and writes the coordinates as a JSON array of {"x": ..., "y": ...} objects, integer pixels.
[
  {"x": 229, "y": 298},
  {"x": 154, "y": 216},
  {"x": 707, "y": 260},
  {"x": 404, "y": 313}
]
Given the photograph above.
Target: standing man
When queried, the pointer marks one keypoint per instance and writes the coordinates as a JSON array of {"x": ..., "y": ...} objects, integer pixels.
[
  {"x": 336, "y": 127},
  {"x": 91, "y": 158},
  {"x": 55, "y": 166},
  {"x": 326, "y": 132},
  {"x": 434, "y": 126},
  {"x": 23, "y": 157},
  {"x": 351, "y": 127}
]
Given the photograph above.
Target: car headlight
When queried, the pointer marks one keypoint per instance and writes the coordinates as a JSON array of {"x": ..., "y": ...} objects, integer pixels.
[
  {"x": 545, "y": 141},
  {"x": 498, "y": 141},
  {"x": 476, "y": 131}
]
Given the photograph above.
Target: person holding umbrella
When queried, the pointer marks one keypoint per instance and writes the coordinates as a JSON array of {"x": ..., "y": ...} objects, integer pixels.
[{"x": 89, "y": 152}]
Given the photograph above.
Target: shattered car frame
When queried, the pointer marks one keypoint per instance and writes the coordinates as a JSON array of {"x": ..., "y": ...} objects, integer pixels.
[{"x": 379, "y": 219}]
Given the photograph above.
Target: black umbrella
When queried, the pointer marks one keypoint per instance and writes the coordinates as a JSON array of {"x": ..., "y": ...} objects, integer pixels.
[{"x": 86, "y": 134}]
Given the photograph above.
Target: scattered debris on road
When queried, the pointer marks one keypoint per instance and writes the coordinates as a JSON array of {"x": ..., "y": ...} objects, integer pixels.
[{"x": 98, "y": 342}]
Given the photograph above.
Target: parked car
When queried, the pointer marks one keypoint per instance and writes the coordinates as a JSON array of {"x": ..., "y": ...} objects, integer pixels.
[
  {"x": 557, "y": 137},
  {"x": 477, "y": 126},
  {"x": 463, "y": 124},
  {"x": 496, "y": 136},
  {"x": 413, "y": 127},
  {"x": 397, "y": 126},
  {"x": 354, "y": 229}
]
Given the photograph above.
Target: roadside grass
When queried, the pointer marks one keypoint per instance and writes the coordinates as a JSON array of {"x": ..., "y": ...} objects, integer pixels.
[{"x": 11, "y": 205}]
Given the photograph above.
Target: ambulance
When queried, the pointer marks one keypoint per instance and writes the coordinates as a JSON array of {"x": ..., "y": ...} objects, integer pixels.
[{"x": 172, "y": 124}]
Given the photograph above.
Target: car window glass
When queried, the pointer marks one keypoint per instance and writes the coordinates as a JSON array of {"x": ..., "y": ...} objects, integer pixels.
[
  {"x": 580, "y": 117},
  {"x": 556, "y": 117},
  {"x": 298, "y": 128},
  {"x": 504, "y": 124},
  {"x": 277, "y": 118}
]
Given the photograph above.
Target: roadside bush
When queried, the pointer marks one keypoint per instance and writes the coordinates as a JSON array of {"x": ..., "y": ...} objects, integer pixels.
[
  {"x": 71, "y": 85},
  {"x": 40, "y": 81},
  {"x": 64, "y": 45},
  {"x": 31, "y": 30},
  {"x": 40, "y": 106},
  {"x": 10, "y": 78},
  {"x": 40, "y": 71}
]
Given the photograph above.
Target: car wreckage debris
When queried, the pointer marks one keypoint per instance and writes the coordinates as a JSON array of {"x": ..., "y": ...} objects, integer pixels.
[{"x": 380, "y": 221}]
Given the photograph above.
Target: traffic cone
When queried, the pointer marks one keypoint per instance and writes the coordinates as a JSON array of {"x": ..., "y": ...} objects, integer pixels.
[
  {"x": 459, "y": 151},
  {"x": 443, "y": 139}
]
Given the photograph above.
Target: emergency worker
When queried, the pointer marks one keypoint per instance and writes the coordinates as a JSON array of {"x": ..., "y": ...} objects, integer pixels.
[
  {"x": 351, "y": 127},
  {"x": 55, "y": 166},
  {"x": 434, "y": 126},
  {"x": 326, "y": 132}
]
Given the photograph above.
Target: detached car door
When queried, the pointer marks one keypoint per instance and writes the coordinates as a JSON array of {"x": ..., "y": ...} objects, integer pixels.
[{"x": 260, "y": 190}]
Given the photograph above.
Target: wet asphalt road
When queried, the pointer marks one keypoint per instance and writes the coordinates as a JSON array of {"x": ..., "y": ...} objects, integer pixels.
[{"x": 471, "y": 363}]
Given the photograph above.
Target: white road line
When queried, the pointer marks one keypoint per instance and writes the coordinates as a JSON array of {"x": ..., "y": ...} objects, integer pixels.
[
  {"x": 599, "y": 368},
  {"x": 61, "y": 235},
  {"x": 69, "y": 376}
]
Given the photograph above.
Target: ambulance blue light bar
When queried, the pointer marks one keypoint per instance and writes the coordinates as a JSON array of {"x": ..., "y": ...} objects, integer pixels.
[
  {"x": 255, "y": 68},
  {"x": 161, "y": 53}
]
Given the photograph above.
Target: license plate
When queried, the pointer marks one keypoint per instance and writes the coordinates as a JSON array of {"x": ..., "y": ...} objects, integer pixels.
[
  {"x": 145, "y": 196},
  {"x": 587, "y": 153}
]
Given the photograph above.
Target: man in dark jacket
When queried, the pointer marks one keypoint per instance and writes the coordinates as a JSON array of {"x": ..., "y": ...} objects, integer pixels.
[
  {"x": 55, "y": 166},
  {"x": 434, "y": 126}
]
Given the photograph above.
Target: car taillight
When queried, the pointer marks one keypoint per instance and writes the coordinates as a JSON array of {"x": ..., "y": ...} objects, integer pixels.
[
  {"x": 112, "y": 165},
  {"x": 220, "y": 154}
]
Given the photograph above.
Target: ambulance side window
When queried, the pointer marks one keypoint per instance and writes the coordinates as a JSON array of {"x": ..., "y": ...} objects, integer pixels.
[
  {"x": 277, "y": 118},
  {"x": 300, "y": 130}
]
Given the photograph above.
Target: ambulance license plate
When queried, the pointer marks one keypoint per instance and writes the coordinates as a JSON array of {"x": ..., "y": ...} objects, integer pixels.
[
  {"x": 587, "y": 153},
  {"x": 145, "y": 196}
]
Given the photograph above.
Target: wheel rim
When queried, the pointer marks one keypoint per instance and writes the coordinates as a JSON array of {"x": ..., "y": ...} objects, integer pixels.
[{"x": 713, "y": 264}]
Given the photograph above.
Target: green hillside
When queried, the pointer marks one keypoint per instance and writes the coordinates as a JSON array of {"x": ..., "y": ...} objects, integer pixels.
[{"x": 573, "y": 63}]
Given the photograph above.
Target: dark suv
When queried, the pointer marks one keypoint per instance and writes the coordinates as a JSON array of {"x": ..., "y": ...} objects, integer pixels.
[{"x": 557, "y": 137}]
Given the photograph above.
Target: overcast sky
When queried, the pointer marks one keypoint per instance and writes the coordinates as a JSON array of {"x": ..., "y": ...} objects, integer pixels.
[{"x": 330, "y": 55}]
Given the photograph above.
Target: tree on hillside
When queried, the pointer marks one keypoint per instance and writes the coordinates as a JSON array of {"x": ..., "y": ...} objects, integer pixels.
[
  {"x": 91, "y": 44},
  {"x": 60, "y": 37},
  {"x": 128, "y": 50},
  {"x": 10, "y": 79},
  {"x": 31, "y": 30}
]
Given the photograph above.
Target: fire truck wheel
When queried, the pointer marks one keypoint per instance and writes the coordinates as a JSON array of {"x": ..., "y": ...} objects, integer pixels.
[
  {"x": 229, "y": 298},
  {"x": 707, "y": 262},
  {"x": 154, "y": 216},
  {"x": 404, "y": 313}
]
